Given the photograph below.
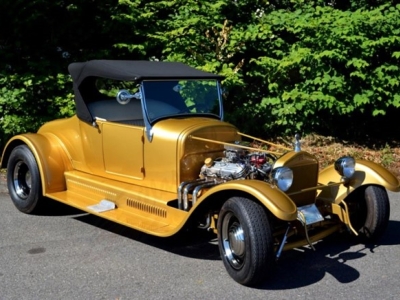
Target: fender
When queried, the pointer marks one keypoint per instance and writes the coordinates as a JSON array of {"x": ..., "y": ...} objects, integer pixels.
[
  {"x": 276, "y": 201},
  {"x": 50, "y": 156},
  {"x": 366, "y": 173}
]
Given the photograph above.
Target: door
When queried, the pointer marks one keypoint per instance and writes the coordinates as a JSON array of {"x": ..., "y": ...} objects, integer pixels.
[{"x": 123, "y": 150}]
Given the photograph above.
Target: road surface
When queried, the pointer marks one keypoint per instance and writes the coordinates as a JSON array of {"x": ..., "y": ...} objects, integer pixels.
[{"x": 68, "y": 254}]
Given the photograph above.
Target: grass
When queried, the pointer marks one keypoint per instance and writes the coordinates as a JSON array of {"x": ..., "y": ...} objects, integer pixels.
[{"x": 328, "y": 149}]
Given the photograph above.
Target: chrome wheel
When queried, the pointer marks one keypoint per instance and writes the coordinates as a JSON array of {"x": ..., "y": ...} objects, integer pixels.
[
  {"x": 245, "y": 240},
  {"x": 233, "y": 241},
  {"x": 22, "y": 180}
]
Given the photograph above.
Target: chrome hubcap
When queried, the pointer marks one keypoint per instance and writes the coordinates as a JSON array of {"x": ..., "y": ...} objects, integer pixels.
[
  {"x": 22, "y": 180},
  {"x": 233, "y": 241}
]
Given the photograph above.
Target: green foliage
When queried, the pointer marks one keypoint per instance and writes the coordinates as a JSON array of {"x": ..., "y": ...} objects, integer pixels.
[
  {"x": 37, "y": 42},
  {"x": 320, "y": 64},
  {"x": 387, "y": 156},
  {"x": 201, "y": 35},
  {"x": 27, "y": 101},
  {"x": 293, "y": 65}
]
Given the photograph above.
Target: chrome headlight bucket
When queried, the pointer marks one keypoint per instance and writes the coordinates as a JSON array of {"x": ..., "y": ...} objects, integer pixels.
[
  {"x": 282, "y": 177},
  {"x": 346, "y": 166}
]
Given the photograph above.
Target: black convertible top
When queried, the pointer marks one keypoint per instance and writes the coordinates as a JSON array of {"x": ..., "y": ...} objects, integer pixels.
[
  {"x": 135, "y": 70},
  {"x": 84, "y": 76}
]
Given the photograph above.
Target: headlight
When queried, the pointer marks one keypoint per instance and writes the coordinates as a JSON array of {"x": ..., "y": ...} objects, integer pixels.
[
  {"x": 345, "y": 166},
  {"x": 283, "y": 178}
]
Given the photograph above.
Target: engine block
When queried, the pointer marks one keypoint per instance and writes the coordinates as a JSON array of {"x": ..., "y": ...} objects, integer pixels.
[{"x": 224, "y": 169}]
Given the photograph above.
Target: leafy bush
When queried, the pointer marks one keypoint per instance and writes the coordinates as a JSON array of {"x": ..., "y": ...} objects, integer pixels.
[
  {"x": 41, "y": 39},
  {"x": 302, "y": 68},
  {"x": 27, "y": 101},
  {"x": 327, "y": 62},
  {"x": 292, "y": 65}
]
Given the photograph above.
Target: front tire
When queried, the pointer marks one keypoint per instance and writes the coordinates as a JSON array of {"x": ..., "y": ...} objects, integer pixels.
[
  {"x": 23, "y": 179},
  {"x": 370, "y": 216},
  {"x": 245, "y": 241}
]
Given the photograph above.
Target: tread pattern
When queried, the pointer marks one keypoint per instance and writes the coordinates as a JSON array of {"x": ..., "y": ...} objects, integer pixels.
[
  {"x": 378, "y": 212},
  {"x": 259, "y": 258}
]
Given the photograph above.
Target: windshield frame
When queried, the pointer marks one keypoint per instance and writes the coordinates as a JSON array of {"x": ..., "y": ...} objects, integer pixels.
[{"x": 149, "y": 121}]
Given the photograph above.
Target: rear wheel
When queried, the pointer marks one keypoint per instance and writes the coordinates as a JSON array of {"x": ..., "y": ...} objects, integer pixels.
[
  {"x": 23, "y": 179},
  {"x": 370, "y": 212},
  {"x": 245, "y": 241}
]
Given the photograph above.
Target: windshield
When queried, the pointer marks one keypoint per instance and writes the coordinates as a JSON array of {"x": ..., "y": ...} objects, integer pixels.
[{"x": 181, "y": 97}]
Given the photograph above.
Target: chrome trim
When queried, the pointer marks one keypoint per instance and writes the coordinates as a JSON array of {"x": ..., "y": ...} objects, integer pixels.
[
  {"x": 181, "y": 187},
  {"x": 344, "y": 165},
  {"x": 194, "y": 187},
  {"x": 124, "y": 97},
  {"x": 233, "y": 241},
  {"x": 186, "y": 191},
  {"x": 199, "y": 187},
  {"x": 148, "y": 128},
  {"x": 207, "y": 224},
  {"x": 277, "y": 177},
  {"x": 22, "y": 180},
  {"x": 221, "y": 106},
  {"x": 283, "y": 242},
  {"x": 297, "y": 143}
]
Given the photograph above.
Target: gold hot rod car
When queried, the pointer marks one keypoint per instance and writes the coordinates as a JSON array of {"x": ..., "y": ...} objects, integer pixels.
[{"x": 148, "y": 148}]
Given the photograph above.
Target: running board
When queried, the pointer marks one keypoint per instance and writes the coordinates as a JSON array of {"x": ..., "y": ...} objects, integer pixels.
[{"x": 142, "y": 209}]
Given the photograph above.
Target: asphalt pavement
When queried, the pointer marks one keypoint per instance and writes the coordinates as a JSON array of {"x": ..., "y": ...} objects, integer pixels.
[{"x": 64, "y": 253}]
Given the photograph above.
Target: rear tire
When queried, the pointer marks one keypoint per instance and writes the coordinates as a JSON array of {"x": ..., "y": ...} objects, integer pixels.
[
  {"x": 23, "y": 180},
  {"x": 245, "y": 241},
  {"x": 370, "y": 215}
]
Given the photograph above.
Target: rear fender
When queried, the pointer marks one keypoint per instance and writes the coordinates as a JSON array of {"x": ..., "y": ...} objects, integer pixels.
[
  {"x": 277, "y": 202},
  {"x": 50, "y": 156},
  {"x": 367, "y": 173}
]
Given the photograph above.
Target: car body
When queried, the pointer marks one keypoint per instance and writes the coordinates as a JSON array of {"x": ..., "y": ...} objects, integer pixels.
[{"x": 148, "y": 148}]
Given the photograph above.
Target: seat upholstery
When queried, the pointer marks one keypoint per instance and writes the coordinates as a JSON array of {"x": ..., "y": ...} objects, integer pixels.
[{"x": 111, "y": 110}]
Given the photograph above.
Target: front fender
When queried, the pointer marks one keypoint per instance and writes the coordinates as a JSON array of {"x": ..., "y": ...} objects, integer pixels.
[
  {"x": 277, "y": 202},
  {"x": 367, "y": 173},
  {"x": 50, "y": 156}
]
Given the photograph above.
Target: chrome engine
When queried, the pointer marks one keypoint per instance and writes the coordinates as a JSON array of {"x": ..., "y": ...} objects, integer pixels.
[{"x": 237, "y": 164}]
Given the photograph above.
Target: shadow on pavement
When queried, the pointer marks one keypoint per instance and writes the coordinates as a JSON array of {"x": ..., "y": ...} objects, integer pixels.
[{"x": 296, "y": 268}]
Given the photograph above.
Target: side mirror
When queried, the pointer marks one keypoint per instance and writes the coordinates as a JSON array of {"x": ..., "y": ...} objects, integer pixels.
[{"x": 124, "y": 96}]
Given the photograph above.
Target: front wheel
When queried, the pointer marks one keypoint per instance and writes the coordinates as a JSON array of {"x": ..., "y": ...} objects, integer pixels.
[
  {"x": 23, "y": 179},
  {"x": 245, "y": 241},
  {"x": 371, "y": 210}
]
